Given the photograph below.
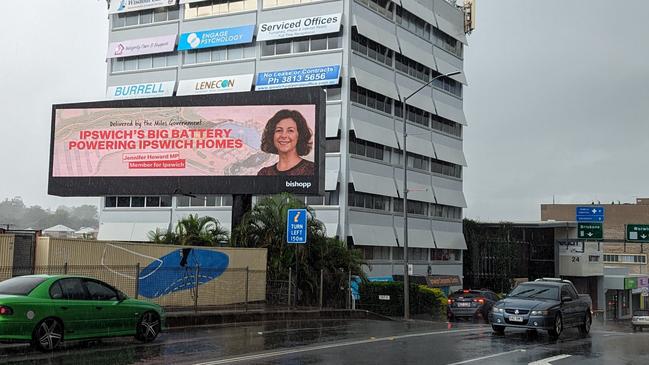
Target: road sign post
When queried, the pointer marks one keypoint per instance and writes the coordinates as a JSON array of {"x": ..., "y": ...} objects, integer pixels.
[
  {"x": 590, "y": 231},
  {"x": 296, "y": 224},
  {"x": 637, "y": 232}
]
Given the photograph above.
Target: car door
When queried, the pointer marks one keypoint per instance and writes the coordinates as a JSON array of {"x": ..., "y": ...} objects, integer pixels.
[
  {"x": 569, "y": 308},
  {"x": 69, "y": 298},
  {"x": 112, "y": 316}
]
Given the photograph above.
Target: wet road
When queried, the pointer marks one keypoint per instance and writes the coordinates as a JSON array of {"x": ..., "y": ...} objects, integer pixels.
[{"x": 355, "y": 342}]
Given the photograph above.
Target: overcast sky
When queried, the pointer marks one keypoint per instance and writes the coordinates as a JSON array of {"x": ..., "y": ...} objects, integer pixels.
[{"x": 557, "y": 102}]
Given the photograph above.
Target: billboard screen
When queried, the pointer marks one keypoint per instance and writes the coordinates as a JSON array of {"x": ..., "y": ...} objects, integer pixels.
[{"x": 238, "y": 143}]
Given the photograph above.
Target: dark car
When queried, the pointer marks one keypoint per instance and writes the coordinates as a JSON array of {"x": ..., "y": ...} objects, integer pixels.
[
  {"x": 471, "y": 303},
  {"x": 548, "y": 304}
]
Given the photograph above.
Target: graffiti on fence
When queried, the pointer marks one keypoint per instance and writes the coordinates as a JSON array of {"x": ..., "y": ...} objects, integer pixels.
[{"x": 178, "y": 271}]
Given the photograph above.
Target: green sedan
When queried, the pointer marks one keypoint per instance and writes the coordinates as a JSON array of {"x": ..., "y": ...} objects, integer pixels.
[{"x": 47, "y": 309}]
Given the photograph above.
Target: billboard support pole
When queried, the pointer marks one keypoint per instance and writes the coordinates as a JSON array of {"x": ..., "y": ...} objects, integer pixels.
[{"x": 241, "y": 204}]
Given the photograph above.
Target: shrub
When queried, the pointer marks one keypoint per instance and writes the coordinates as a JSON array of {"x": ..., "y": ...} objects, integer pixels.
[{"x": 423, "y": 300}]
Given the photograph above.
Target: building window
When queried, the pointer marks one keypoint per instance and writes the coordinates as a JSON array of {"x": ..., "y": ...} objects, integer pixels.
[
  {"x": 145, "y": 16},
  {"x": 626, "y": 259},
  {"x": 303, "y": 44},
  {"x": 203, "y": 201},
  {"x": 333, "y": 144},
  {"x": 368, "y": 201},
  {"x": 593, "y": 258},
  {"x": 333, "y": 92},
  {"x": 416, "y": 161},
  {"x": 365, "y": 148},
  {"x": 446, "y": 168},
  {"x": 144, "y": 62},
  {"x": 415, "y": 114},
  {"x": 411, "y": 67},
  {"x": 445, "y": 211},
  {"x": 413, "y": 23},
  {"x": 437, "y": 254},
  {"x": 418, "y": 254},
  {"x": 110, "y": 202},
  {"x": 274, "y": 3},
  {"x": 447, "y": 43},
  {"x": 370, "y": 98},
  {"x": 371, "y": 49},
  {"x": 123, "y": 201},
  {"x": 447, "y": 84},
  {"x": 218, "y": 7},
  {"x": 137, "y": 201},
  {"x": 219, "y": 54},
  {"x": 383, "y": 7},
  {"x": 414, "y": 206},
  {"x": 446, "y": 126}
]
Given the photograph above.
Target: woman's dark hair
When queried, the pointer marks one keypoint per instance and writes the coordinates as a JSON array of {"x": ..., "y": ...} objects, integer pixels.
[{"x": 304, "y": 143}]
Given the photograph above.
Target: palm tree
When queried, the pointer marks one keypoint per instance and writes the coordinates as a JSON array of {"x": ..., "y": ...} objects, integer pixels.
[{"x": 193, "y": 231}]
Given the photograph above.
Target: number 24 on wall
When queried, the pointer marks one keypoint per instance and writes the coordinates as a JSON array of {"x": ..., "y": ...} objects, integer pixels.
[{"x": 574, "y": 258}]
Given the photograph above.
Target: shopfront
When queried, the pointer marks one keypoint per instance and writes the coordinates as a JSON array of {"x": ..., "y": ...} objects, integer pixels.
[{"x": 618, "y": 293}]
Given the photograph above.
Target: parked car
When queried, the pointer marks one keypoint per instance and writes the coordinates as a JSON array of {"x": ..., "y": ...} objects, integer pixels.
[
  {"x": 48, "y": 309},
  {"x": 640, "y": 319},
  {"x": 471, "y": 303},
  {"x": 549, "y": 304}
]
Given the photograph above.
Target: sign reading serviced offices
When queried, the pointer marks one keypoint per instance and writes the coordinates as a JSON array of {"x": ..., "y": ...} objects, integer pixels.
[{"x": 319, "y": 24}]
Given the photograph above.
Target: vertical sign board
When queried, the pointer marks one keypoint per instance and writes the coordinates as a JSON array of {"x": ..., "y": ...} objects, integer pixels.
[
  {"x": 589, "y": 213},
  {"x": 590, "y": 231},
  {"x": 637, "y": 232},
  {"x": 296, "y": 226}
]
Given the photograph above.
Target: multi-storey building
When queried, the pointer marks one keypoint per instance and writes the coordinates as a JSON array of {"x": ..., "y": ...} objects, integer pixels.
[{"x": 385, "y": 50}]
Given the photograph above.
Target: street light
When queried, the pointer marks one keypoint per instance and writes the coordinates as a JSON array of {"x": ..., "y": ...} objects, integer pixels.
[{"x": 406, "y": 280}]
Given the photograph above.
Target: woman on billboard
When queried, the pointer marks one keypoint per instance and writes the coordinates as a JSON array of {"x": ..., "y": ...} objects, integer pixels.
[{"x": 287, "y": 135}]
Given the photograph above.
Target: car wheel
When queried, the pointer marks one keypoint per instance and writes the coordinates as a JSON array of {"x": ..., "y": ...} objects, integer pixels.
[
  {"x": 48, "y": 334},
  {"x": 640, "y": 328},
  {"x": 556, "y": 330},
  {"x": 499, "y": 330},
  {"x": 635, "y": 328},
  {"x": 148, "y": 327},
  {"x": 588, "y": 321}
]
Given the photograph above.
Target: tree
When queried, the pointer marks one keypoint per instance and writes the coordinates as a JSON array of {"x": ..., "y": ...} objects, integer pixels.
[
  {"x": 193, "y": 231},
  {"x": 265, "y": 226}
]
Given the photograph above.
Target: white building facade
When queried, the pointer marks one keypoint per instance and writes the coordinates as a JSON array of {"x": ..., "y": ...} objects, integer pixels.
[{"x": 385, "y": 50}]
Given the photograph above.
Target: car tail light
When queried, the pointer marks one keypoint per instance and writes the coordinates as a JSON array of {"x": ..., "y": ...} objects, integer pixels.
[
  {"x": 479, "y": 300},
  {"x": 5, "y": 311},
  {"x": 465, "y": 291},
  {"x": 450, "y": 301}
]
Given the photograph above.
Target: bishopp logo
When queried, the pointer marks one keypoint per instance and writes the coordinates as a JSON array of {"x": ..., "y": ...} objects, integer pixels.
[
  {"x": 298, "y": 184},
  {"x": 122, "y": 5},
  {"x": 119, "y": 49},
  {"x": 193, "y": 40}
]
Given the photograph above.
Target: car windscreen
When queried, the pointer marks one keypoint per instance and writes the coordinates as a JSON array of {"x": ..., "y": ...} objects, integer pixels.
[
  {"x": 641, "y": 313},
  {"x": 471, "y": 294},
  {"x": 535, "y": 291},
  {"x": 21, "y": 285}
]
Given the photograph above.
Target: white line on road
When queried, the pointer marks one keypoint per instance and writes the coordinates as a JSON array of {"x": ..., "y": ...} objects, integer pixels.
[
  {"x": 548, "y": 360},
  {"x": 488, "y": 357},
  {"x": 265, "y": 355}
]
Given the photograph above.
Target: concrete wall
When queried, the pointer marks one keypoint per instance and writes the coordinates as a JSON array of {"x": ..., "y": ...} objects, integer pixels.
[{"x": 162, "y": 277}]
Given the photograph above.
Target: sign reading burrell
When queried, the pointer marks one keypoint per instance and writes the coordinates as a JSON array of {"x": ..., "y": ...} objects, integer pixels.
[
  {"x": 590, "y": 231},
  {"x": 637, "y": 232}
]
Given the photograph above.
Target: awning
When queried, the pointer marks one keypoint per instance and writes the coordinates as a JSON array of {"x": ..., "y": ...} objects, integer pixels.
[
  {"x": 373, "y": 184},
  {"x": 454, "y": 198},
  {"x": 422, "y": 100},
  {"x": 416, "y": 141},
  {"x": 416, "y": 191},
  {"x": 332, "y": 229},
  {"x": 419, "y": 10},
  {"x": 415, "y": 51},
  {"x": 447, "y": 110},
  {"x": 442, "y": 11},
  {"x": 375, "y": 83},
  {"x": 374, "y": 132},
  {"x": 129, "y": 231},
  {"x": 376, "y": 33},
  {"x": 332, "y": 172},
  {"x": 444, "y": 67},
  {"x": 449, "y": 154},
  {"x": 417, "y": 238},
  {"x": 449, "y": 240},
  {"x": 333, "y": 121},
  {"x": 366, "y": 235}
]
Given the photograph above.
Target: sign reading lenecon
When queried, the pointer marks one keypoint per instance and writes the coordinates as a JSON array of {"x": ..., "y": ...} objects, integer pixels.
[
  {"x": 215, "y": 85},
  {"x": 314, "y": 76},
  {"x": 123, "y": 6},
  {"x": 134, "y": 47},
  {"x": 145, "y": 90},
  {"x": 320, "y": 24},
  {"x": 216, "y": 37}
]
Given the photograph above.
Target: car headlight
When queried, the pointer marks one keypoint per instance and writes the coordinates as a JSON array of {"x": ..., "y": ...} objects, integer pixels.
[
  {"x": 498, "y": 310},
  {"x": 539, "y": 313}
]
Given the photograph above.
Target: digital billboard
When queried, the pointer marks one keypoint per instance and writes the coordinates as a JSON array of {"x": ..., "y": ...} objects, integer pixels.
[{"x": 235, "y": 143}]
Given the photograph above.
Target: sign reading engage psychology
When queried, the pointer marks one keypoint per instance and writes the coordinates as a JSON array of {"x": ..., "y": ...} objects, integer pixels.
[
  {"x": 134, "y": 47},
  {"x": 123, "y": 6},
  {"x": 145, "y": 90},
  {"x": 314, "y": 76},
  {"x": 216, "y": 37},
  {"x": 215, "y": 85},
  {"x": 320, "y": 24}
]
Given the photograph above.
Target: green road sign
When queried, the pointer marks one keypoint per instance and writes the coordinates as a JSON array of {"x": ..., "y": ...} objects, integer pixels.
[
  {"x": 590, "y": 231},
  {"x": 637, "y": 232}
]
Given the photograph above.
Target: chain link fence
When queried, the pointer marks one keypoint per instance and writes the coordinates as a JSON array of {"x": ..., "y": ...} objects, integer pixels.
[{"x": 205, "y": 288}]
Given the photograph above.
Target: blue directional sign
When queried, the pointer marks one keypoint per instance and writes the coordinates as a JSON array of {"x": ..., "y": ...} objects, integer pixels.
[
  {"x": 296, "y": 226},
  {"x": 590, "y": 213}
]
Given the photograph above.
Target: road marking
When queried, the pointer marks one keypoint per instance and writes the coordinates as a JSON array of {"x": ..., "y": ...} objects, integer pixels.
[
  {"x": 487, "y": 357},
  {"x": 265, "y": 355},
  {"x": 548, "y": 360}
]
